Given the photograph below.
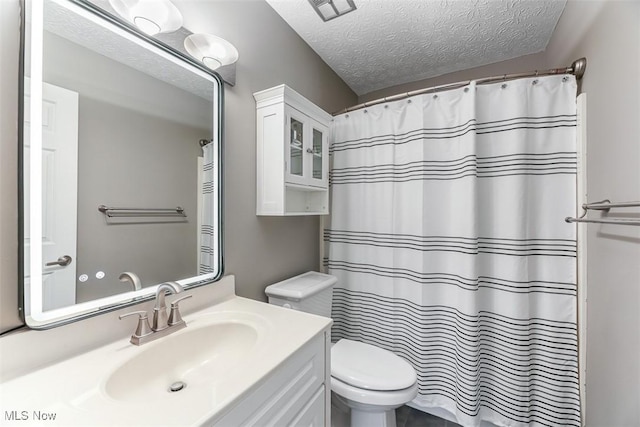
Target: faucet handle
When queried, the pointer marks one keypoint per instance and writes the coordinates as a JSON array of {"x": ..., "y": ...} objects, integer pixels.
[
  {"x": 143, "y": 329},
  {"x": 175, "y": 318}
]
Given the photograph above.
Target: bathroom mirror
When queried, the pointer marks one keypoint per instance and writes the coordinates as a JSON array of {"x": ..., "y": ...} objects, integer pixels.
[{"x": 119, "y": 163}]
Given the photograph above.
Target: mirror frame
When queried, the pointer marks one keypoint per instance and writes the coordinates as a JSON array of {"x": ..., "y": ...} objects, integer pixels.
[{"x": 50, "y": 319}]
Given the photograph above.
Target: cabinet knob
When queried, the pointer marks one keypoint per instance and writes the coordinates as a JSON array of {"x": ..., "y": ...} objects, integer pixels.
[{"x": 309, "y": 150}]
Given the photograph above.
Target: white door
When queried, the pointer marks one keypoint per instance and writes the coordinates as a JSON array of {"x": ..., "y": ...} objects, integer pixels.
[{"x": 59, "y": 194}]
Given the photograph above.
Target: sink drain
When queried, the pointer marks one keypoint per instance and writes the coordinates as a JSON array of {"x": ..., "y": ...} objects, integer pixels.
[{"x": 177, "y": 386}]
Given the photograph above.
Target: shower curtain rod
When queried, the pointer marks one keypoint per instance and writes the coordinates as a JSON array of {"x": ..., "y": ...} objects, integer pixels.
[{"x": 577, "y": 68}]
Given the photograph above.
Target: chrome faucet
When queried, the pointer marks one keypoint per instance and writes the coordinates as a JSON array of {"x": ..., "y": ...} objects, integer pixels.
[
  {"x": 132, "y": 278},
  {"x": 160, "y": 316},
  {"x": 163, "y": 323}
]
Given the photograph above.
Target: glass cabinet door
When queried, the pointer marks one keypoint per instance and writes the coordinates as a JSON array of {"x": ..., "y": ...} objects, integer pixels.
[
  {"x": 296, "y": 142},
  {"x": 306, "y": 150},
  {"x": 318, "y": 154}
]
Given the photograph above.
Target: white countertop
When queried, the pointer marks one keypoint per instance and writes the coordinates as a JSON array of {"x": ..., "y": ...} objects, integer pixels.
[{"x": 74, "y": 390}]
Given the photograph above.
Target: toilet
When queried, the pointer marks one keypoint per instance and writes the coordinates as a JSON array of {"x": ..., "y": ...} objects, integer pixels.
[{"x": 371, "y": 381}]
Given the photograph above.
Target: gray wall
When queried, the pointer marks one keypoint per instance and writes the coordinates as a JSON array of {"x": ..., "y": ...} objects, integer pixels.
[
  {"x": 9, "y": 50},
  {"x": 130, "y": 159},
  {"x": 259, "y": 251},
  {"x": 262, "y": 250},
  {"x": 607, "y": 33},
  {"x": 536, "y": 61}
]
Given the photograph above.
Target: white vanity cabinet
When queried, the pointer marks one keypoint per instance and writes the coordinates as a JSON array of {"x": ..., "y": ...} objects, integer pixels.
[
  {"x": 292, "y": 167},
  {"x": 297, "y": 393},
  {"x": 244, "y": 363}
]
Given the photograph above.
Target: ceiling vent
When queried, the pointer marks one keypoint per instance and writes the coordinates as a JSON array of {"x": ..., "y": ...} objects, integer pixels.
[{"x": 330, "y": 9}]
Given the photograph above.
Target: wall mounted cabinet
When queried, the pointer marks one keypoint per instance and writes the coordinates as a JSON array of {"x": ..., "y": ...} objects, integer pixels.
[{"x": 292, "y": 167}]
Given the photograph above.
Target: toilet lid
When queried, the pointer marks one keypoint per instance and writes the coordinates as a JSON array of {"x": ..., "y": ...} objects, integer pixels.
[{"x": 366, "y": 366}]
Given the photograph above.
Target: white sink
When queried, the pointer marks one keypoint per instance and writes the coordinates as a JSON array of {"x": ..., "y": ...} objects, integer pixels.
[
  {"x": 191, "y": 357},
  {"x": 223, "y": 353}
]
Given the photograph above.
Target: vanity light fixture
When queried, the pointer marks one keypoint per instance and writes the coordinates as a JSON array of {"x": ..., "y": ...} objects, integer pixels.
[
  {"x": 151, "y": 16},
  {"x": 331, "y": 9},
  {"x": 211, "y": 50}
]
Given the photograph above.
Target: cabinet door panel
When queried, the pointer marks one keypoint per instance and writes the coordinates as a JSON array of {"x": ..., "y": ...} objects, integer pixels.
[
  {"x": 318, "y": 156},
  {"x": 297, "y": 143}
]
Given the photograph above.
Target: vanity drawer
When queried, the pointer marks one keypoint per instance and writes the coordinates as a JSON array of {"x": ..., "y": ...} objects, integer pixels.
[{"x": 293, "y": 391}]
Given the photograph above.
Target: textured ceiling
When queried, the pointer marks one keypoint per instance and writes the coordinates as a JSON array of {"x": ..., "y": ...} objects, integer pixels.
[{"x": 389, "y": 42}]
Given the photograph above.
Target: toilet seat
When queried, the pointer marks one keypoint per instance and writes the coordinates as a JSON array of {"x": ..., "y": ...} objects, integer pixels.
[
  {"x": 364, "y": 366},
  {"x": 388, "y": 398}
]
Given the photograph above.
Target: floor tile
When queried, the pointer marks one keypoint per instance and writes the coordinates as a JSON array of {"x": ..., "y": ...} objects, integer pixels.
[
  {"x": 402, "y": 413},
  {"x": 422, "y": 419},
  {"x": 406, "y": 416}
]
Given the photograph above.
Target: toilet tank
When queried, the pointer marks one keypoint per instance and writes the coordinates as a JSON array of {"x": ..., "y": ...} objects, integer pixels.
[{"x": 310, "y": 292}]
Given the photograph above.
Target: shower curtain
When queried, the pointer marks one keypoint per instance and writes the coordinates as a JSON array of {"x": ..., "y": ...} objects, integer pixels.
[
  {"x": 448, "y": 239},
  {"x": 208, "y": 260}
]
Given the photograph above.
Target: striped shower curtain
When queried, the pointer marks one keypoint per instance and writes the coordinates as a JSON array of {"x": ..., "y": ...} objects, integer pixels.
[
  {"x": 449, "y": 243},
  {"x": 208, "y": 239}
]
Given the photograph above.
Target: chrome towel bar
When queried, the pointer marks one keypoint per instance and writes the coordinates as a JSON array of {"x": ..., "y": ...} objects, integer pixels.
[
  {"x": 606, "y": 205},
  {"x": 113, "y": 212},
  {"x": 605, "y": 221}
]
